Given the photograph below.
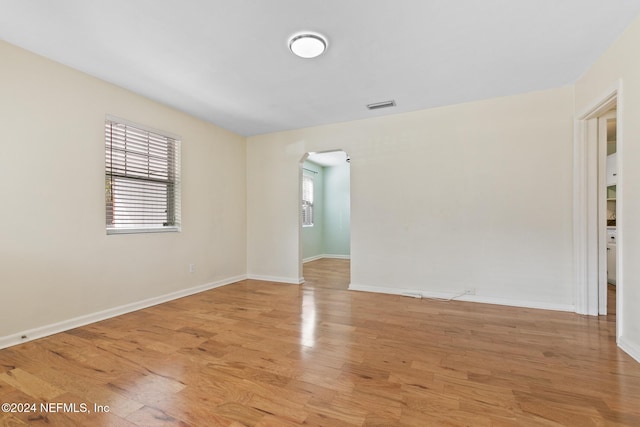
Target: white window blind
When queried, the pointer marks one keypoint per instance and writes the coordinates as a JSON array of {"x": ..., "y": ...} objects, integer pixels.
[
  {"x": 142, "y": 179},
  {"x": 307, "y": 200}
]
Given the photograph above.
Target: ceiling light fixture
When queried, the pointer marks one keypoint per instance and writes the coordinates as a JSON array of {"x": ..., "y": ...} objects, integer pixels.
[{"x": 307, "y": 44}]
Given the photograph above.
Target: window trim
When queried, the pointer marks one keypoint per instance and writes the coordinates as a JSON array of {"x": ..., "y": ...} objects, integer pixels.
[{"x": 177, "y": 181}]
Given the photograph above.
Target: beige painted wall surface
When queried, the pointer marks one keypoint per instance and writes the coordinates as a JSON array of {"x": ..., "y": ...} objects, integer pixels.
[
  {"x": 56, "y": 262},
  {"x": 476, "y": 195},
  {"x": 622, "y": 62}
]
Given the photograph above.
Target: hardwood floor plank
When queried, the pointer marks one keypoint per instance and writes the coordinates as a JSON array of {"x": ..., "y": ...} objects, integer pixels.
[
  {"x": 30, "y": 385},
  {"x": 266, "y": 354},
  {"x": 153, "y": 417}
]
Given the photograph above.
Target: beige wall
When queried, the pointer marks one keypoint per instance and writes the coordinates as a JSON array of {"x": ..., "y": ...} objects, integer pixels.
[
  {"x": 56, "y": 262},
  {"x": 477, "y": 195},
  {"x": 621, "y": 62}
]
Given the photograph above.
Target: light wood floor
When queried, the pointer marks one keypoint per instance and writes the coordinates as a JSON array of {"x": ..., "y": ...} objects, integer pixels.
[{"x": 258, "y": 353}]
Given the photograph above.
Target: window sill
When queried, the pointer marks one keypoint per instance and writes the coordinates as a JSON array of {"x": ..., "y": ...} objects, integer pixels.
[{"x": 142, "y": 230}]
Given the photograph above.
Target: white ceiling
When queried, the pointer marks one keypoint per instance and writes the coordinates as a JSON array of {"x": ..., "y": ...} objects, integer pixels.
[{"x": 227, "y": 61}]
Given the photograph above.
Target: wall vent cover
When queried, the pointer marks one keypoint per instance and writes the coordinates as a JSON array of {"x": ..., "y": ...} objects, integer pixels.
[{"x": 383, "y": 104}]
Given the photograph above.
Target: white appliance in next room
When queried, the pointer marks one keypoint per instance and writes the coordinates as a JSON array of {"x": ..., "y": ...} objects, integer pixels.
[{"x": 611, "y": 255}]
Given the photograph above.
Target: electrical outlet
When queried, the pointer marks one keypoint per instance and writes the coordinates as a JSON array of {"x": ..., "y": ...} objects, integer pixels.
[
  {"x": 192, "y": 268},
  {"x": 471, "y": 291}
]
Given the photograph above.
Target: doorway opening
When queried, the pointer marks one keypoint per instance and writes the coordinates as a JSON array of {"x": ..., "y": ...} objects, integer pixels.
[
  {"x": 325, "y": 209},
  {"x": 607, "y": 206},
  {"x": 597, "y": 220}
]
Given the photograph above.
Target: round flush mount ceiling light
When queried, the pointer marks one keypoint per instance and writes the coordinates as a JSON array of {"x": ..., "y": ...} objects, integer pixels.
[{"x": 307, "y": 44}]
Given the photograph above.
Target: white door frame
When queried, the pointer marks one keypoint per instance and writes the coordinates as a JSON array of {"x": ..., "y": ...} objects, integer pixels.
[
  {"x": 586, "y": 230},
  {"x": 299, "y": 216}
]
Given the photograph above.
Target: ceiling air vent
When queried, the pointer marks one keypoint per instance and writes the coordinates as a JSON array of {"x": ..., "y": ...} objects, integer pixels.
[{"x": 384, "y": 104}]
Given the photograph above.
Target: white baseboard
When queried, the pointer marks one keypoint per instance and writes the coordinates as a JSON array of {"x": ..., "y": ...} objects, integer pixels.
[
  {"x": 470, "y": 298},
  {"x": 631, "y": 349},
  {"x": 332, "y": 256},
  {"x": 289, "y": 280},
  {"x": 65, "y": 325},
  {"x": 336, "y": 256},
  {"x": 519, "y": 303}
]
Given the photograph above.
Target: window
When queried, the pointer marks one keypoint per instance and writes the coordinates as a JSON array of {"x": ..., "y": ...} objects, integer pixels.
[
  {"x": 307, "y": 201},
  {"x": 142, "y": 179}
]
